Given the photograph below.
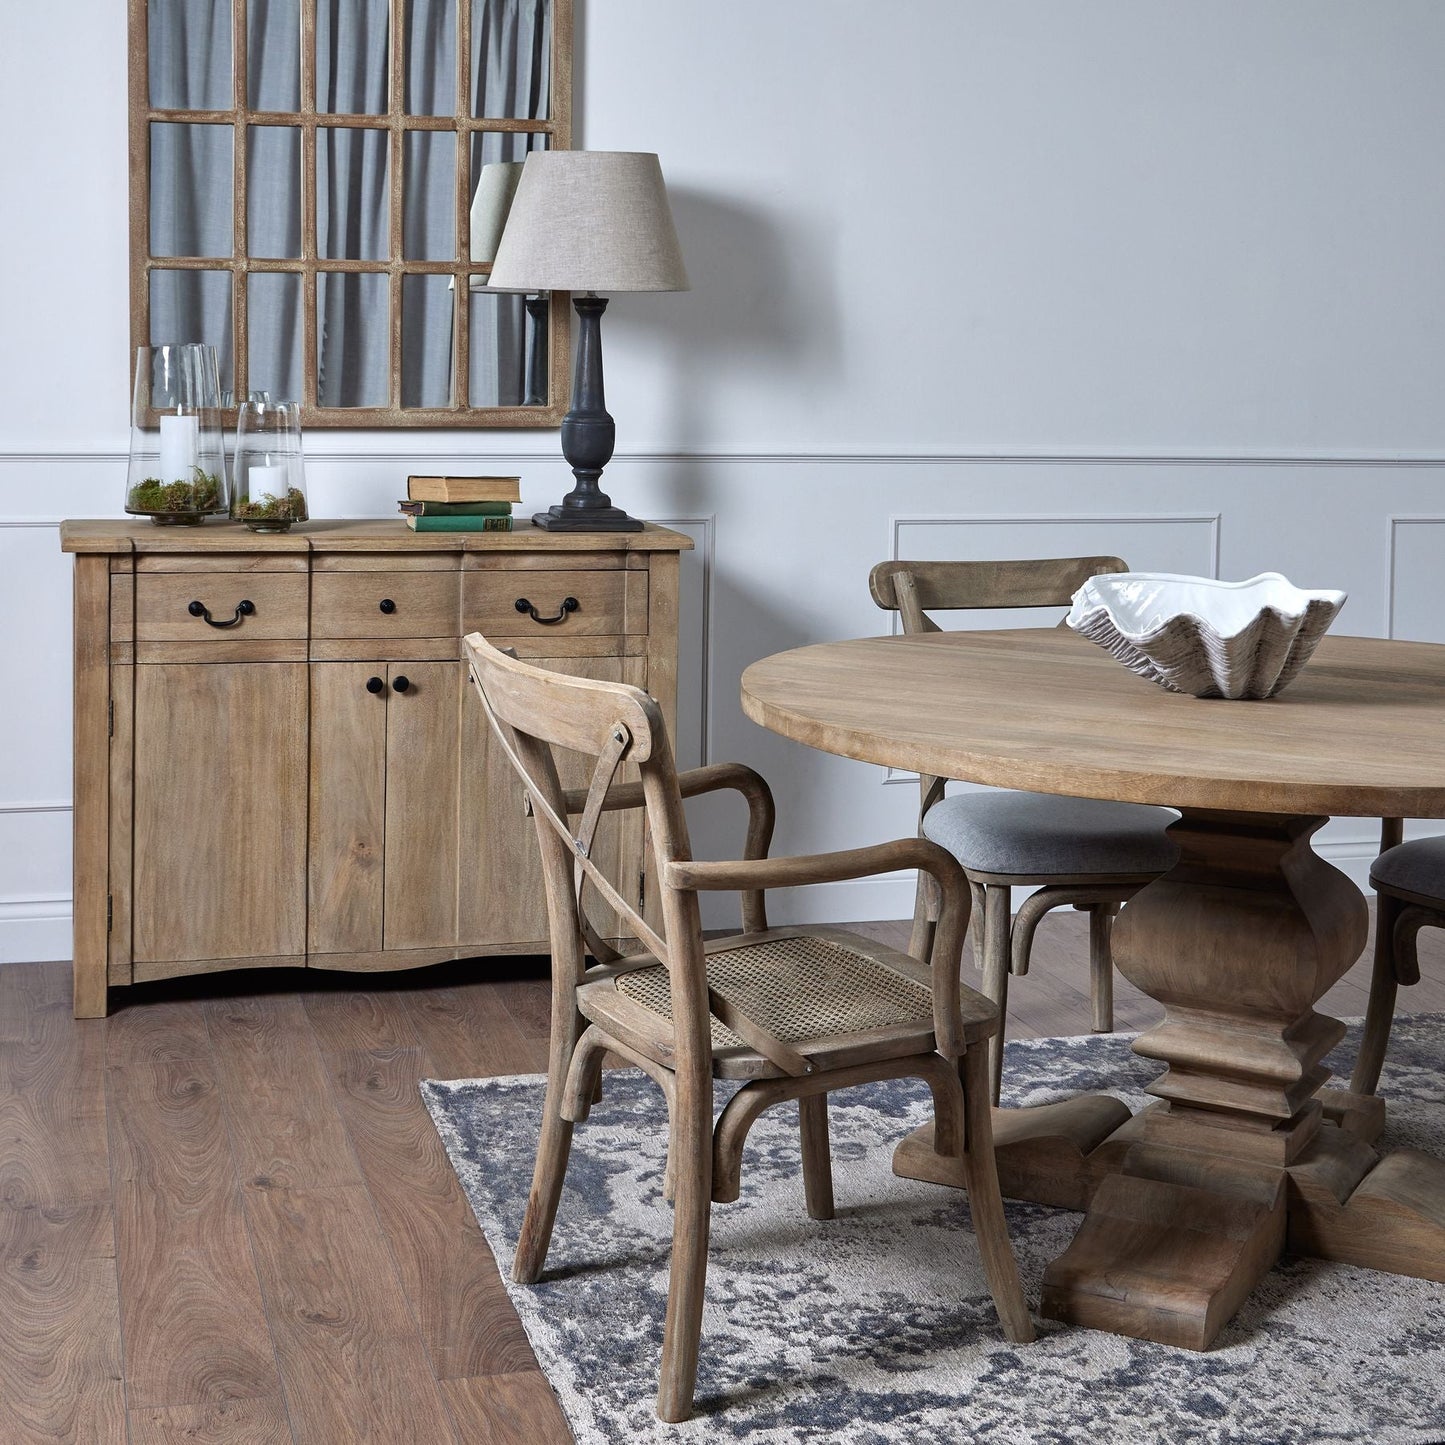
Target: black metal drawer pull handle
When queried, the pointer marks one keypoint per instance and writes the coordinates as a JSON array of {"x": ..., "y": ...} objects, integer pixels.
[
  {"x": 244, "y": 608},
  {"x": 569, "y": 604},
  {"x": 387, "y": 605}
]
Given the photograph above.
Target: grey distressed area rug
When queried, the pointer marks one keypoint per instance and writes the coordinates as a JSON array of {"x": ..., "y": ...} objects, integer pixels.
[{"x": 877, "y": 1326}]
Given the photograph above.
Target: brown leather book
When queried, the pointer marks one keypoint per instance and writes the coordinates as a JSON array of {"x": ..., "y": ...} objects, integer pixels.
[{"x": 464, "y": 489}]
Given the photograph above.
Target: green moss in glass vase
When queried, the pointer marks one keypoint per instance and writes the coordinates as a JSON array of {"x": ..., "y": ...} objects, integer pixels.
[
  {"x": 180, "y": 501},
  {"x": 268, "y": 513}
]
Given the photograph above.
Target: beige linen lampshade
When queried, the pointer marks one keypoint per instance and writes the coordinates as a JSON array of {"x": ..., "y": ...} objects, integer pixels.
[
  {"x": 496, "y": 186},
  {"x": 590, "y": 221}
]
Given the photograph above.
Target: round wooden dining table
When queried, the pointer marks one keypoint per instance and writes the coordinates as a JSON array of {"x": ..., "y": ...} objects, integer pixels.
[{"x": 1242, "y": 1153}]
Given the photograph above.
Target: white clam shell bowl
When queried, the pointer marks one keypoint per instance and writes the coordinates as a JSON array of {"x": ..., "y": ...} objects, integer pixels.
[{"x": 1195, "y": 635}]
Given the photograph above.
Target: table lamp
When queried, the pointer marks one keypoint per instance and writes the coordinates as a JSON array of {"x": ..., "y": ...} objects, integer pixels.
[{"x": 589, "y": 222}]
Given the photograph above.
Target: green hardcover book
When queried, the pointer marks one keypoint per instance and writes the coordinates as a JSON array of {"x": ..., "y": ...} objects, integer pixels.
[
  {"x": 460, "y": 524},
  {"x": 456, "y": 509}
]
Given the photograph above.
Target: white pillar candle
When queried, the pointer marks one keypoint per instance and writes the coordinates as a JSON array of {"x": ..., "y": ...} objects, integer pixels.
[
  {"x": 180, "y": 447},
  {"x": 268, "y": 480}
]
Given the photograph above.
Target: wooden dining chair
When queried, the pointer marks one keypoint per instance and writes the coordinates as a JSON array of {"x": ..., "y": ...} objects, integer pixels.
[
  {"x": 1409, "y": 883},
  {"x": 792, "y": 1013},
  {"x": 1084, "y": 852}
]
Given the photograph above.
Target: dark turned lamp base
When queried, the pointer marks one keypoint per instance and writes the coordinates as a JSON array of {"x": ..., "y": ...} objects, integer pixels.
[
  {"x": 562, "y": 518},
  {"x": 588, "y": 436}
]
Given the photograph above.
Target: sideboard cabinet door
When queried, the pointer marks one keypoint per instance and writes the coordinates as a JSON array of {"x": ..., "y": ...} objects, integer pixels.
[
  {"x": 219, "y": 867},
  {"x": 421, "y": 804},
  {"x": 348, "y": 806},
  {"x": 383, "y": 807}
]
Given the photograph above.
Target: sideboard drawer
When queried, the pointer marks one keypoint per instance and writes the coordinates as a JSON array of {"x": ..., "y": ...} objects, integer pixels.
[
  {"x": 556, "y": 601},
  {"x": 249, "y": 606},
  {"x": 384, "y": 604}
]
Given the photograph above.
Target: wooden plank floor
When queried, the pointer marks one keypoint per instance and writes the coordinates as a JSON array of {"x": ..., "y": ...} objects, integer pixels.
[{"x": 225, "y": 1215}]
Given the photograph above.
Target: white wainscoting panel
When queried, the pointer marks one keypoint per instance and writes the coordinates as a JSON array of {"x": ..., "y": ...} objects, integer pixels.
[
  {"x": 1416, "y": 564},
  {"x": 34, "y": 741}
]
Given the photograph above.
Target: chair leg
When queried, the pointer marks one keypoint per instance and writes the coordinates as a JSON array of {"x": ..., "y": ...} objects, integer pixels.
[
  {"x": 985, "y": 1202},
  {"x": 553, "y": 1148},
  {"x": 817, "y": 1156},
  {"x": 690, "y": 1150},
  {"x": 1380, "y": 1012},
  {"x": 975, "y": 920},
  {"x": 1101, "y": 966},
  {"x": 997, "y": 912},
  {"x": 925, "y": 918}
]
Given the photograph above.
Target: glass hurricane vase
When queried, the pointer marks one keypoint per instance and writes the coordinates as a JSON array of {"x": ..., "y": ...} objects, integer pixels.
[
  {"x": 270, "y": 484},
  {"x": 177, "y": 452}
]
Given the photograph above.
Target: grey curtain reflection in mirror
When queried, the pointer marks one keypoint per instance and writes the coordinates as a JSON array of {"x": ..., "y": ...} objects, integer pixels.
[
  {"x": 431, "y": 30},
  {"x": 273, "y": 191},
  {"x": 189, "y": 55},
  {"x": 273, "y": 350},
  {"x": 353, "y": 56},
  {"x": 189, "y": 65},
  {"x": 273, "y": 53},
  {"x": 511, "y": 41},
  {"x": 196, "y": 306}
]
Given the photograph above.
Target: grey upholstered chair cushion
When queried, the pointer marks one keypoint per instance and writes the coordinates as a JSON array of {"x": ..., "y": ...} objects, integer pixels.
[
  {"x": 1039, "y": 834},
  {"x": 1414, "y": 867}
]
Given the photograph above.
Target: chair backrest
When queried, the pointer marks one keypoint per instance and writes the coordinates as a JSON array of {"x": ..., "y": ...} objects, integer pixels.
[
  {"x": 532, "y": 711},
  {"x": 914, "y": 588}
]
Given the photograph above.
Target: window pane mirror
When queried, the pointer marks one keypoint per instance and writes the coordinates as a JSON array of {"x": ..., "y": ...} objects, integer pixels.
[{"x": 318, "y": 187}]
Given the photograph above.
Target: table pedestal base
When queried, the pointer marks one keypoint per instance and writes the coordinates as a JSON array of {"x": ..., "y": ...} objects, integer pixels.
[
  {"x": 1055, "y": 1154},
  {"x": 1348, "y": 1203},
  {"x": 1165, "y": 1261},
  {"x": 1190, "y": 1202},
  {"x": 1173, "y": 1240}
]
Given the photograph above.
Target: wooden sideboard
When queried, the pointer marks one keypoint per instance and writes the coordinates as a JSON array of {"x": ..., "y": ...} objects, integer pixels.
[{"x": 278, "y": 761}]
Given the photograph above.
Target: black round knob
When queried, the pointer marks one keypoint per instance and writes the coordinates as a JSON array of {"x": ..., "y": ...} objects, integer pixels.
[
  {"x": 387, "y": 605},
  {"x": 374, "y": 684},
  {"x": 400, "y": 684},
  {"x": 196, "y": 609}
]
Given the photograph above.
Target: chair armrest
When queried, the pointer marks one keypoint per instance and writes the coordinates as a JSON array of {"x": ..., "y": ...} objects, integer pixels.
[
  {"x": 762, "y": 814},
  {"x": 796, "y": 872},
  {"x": 711, "y": 779},
  {"x": 938, "y": 863}
]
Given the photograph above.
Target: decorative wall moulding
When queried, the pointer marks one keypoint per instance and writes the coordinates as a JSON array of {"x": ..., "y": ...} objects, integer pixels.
[
  {"x": 1393, "y": 524},
  {"x": 59, "y": 452}
]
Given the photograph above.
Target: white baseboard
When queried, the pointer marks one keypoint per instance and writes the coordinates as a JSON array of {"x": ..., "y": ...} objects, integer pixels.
[{"x": 34, "y": 930}]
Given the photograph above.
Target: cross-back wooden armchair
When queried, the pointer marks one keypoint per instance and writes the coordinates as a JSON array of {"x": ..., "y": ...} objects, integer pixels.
[
  {"x": 791, "y": 1012},
  {"x": 1090, "y": 854}
]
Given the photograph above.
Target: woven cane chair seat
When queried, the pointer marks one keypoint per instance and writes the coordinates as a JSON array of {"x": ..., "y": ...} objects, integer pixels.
[{"x": 827, "y": 993}]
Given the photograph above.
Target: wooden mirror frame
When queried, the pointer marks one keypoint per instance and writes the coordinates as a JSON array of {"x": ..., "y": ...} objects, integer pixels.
[{"x": 557, "y": 128}]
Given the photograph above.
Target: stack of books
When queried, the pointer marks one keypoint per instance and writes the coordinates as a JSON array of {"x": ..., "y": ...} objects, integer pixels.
[{"x": 460, "y": 504}]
